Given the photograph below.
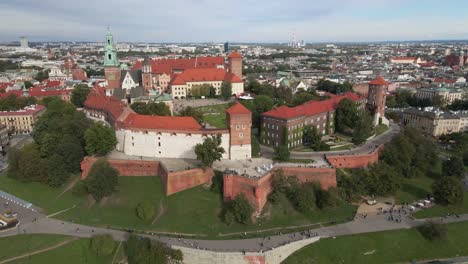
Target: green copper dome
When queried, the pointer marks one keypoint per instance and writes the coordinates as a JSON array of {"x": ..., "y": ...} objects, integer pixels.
[{"x": 110, "y": 52}]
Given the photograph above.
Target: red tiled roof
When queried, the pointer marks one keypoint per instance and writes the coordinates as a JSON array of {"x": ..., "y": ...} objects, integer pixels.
[
  {"x": 25, "y": 111},
  {"x": 311, "y": 107},
  {"x": 201, "y": 75},
  {"x": 41, "y": 92},
  {"x": 442, "y": 80},
  {"x": 17, "y": 93},
  {"x": 235, "y": 55},
  {"x": 168, "y": 66},
  {"x": 161, "y": 122},
  {"x": 379, "y": 81},
  {"x": 48, "y": 83},
  {"x": 238, "y": 108},
  {"x": 98, "y": 100},
  {"x": 404, "y": 58}
]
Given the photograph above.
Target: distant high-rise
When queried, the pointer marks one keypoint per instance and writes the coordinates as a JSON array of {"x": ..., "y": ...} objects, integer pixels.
[
  {"x": 226, "y": 47},
  {"x": 24, "y": 42}
]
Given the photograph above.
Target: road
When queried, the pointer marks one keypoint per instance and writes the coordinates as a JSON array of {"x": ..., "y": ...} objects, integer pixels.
[
  {"x": 34, "y": 222},
  {"x": 365, "y": 148}
]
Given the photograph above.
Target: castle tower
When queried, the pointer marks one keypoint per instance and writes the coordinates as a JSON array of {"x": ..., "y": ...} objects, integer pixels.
[
  {"x": 111, "y": 64},
  {"x": 146, "y": 75},
  {"x": 235, "y": 64},
  {"x": 239, "y": 121},
  {"x": 376, "y": 97}
]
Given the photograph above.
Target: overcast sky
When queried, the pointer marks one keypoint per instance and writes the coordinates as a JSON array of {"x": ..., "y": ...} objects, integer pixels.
[{"x": 234, "y": 21}]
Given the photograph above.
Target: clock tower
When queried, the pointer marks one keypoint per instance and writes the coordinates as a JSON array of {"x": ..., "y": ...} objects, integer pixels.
[{"x": 111, "y": 64}]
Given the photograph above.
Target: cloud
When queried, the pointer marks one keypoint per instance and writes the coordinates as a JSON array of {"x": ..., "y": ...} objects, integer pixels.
[{"x": 215, "y": 20}]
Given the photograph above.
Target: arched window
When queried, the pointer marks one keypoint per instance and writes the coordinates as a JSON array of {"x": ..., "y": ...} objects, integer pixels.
[{"x": 109, "y": 56}]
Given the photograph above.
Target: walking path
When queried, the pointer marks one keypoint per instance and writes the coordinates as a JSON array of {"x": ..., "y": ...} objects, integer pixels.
[{"x": 29, "y": 254}]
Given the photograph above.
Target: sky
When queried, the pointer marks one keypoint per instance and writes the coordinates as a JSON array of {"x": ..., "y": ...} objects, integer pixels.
[{"x": 234, "y": 21}]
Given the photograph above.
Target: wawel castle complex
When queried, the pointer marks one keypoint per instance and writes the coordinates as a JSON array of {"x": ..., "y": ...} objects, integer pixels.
[{"x": 169, "y": 136}]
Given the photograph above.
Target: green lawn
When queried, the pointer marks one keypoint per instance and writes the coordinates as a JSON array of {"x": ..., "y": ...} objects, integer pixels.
[
  {"x": 76, "y": 252},
  {"x": 400, "y": 246},
  {"x": 194, "y": 211},
  {"x": 21, "y": 244},
  {"x": 380, "y": 129},
  {"x": 39, "y": 194},
  {"x": 414, "y": 189},
  {"x": 215, "y": 115}
]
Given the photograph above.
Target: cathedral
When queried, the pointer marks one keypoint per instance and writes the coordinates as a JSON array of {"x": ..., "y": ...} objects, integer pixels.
[{"x": 177, "y": 77}]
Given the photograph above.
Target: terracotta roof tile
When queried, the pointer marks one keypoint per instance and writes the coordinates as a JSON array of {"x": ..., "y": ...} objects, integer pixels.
[
  {"x": 161, "y": 122},
  {"x": 238, "y": 108},
  {"x": 379, "y": 81},
  {"x": 311, "y": 108}
]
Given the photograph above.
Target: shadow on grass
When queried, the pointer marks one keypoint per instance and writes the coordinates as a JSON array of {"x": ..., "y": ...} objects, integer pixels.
[{"x": 414, "y": 190}]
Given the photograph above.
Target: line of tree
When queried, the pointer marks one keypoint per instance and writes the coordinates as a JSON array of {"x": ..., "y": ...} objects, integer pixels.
[
  {"x": 333, "y": 87},
  {"x": 142, "y": 250},
  {"x": 59, "y": 145},
  {"x": 353, "y": 121},
  {"x": 12, "y": 102},
  {"x": 79, "y": 94},
  {"x": 159, "y": 109}
]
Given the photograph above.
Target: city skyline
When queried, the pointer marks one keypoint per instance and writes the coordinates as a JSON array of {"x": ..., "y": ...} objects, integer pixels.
[{"x": 243, "y": 21}]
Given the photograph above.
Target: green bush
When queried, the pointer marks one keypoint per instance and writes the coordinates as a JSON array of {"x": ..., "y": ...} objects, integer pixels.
[
  {"x": 433, "y": 231},
  {"x": 146, "y": 211},
  {"x": 102, "y": 245}
]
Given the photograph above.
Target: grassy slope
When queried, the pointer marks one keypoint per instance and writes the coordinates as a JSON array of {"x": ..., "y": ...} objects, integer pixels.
[
  {"x": 193, "y": 211},
  {"x": 76, "y": 252},
  {"x": 389, "y": 247},
  {"x": 18, "y": 245}
]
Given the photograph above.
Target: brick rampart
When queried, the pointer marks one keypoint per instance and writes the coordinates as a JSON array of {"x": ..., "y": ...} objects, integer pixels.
[
  {"x": 124, "y": 167},
  {"x": 257, "y": 190},
  {"x": 355, "y": 161},
  {"x": 173, "y": 182}
]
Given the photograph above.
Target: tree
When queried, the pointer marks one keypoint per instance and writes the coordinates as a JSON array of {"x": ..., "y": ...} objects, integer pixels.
[
  {"x": 42, "y": 75},
  {"x": 217, "y": 182},
  {"x": 263, "y": 103},
  {"x": 282, "y": 153},
  {"x": 433, "y": 231},
  {"x": 210, "y": 150},
  {"x": 311, "y": 137},
  {"x": 146, "y": 211},
  {"x": 346, "y": 115},
  {"x": 27, "y": 165},
  {"x": 193, "y": 112},
  {"x": 79, "y": 94},
  {"x": 200, "y": 90},
  {"x": 57, "y": 171},
  {"x": 28, "y": 84},
  {"x": 160, "y": 109},
  {"x": 239, "y": 209},
  {"x": 142, "y": 250},
  {"x": 303, "y": 198},
  {"x": 102, "y": 245},
  {"x": 256, "y": 149},
  {"x": 226, "y": 90},
  {"x": 100, "y": 139},
  {"x": 363, "y": 128},
  {"x": 454, "y": 167},
  {"x": 102, "y": 180},
  {"x": 302, "y": 97},
  {"x": 448, "y": 190}
]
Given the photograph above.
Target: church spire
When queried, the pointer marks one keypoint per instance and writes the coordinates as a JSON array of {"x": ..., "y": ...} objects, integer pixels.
[{"x": 110, "y": 52}]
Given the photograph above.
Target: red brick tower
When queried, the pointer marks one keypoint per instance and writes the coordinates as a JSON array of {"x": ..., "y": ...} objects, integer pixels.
[
  {"x": 376, "y": 97},
  {"x": 146, "y": 75},
  {"x": 235, "y": 64},
  {"x": 112, "y": 75},
  {"x": 239, "y": 121}
]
